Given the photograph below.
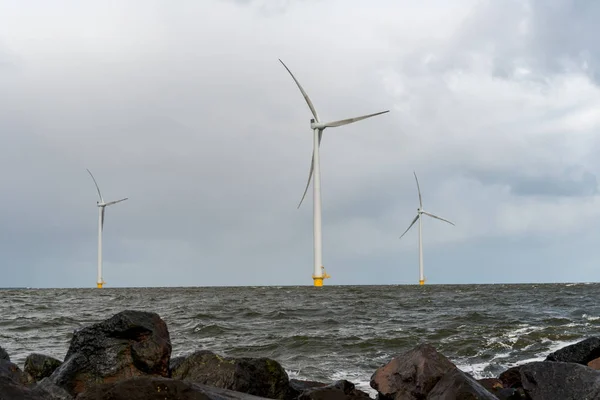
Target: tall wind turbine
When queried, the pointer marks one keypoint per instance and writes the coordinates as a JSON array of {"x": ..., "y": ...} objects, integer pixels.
[
  {"x": 419, "y": 217},
  {"x": 101, "y": 205},
  {"x": 318, "y": 127}
]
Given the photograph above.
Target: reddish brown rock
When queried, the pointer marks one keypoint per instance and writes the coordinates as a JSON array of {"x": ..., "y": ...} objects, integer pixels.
[
  {"x": 594, "y": 364},
  {"x": 411, "y": 375}
]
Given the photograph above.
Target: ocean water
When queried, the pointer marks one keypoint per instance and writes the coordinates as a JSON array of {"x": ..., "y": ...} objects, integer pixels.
[{"x": 325, "y": 333}]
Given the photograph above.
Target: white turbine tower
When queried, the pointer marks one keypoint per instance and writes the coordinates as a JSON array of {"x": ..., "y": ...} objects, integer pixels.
[
  {"x": 101, "y": 205},
  {"x": 318, "y": 127},
  {"x": 420, "y": 212}
]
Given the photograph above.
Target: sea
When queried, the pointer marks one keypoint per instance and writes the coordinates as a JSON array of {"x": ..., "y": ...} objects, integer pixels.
[{"x": 323, "y": 334}]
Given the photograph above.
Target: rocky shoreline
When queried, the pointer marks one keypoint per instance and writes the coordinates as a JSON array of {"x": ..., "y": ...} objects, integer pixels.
[{"x": 128, "y": 357}]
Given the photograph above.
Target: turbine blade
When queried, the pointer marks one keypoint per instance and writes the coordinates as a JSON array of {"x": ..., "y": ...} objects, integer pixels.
[
  {"x": 110, "y": 203},
  {"x": 95, "y": 183},
  {"x": 312, "y": 164},
  {"x": 102, "y": 219},
  {"x": 410, "y": 226},
  {"x": 351, "y": 120},
  {"x": 310, "y": 104},
  {"x": 419, "y": 190},
  {"x": 440, "y": 218}
]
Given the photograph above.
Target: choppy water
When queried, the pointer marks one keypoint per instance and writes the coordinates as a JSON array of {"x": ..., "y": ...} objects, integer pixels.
[{"x": 328, "y": 333}]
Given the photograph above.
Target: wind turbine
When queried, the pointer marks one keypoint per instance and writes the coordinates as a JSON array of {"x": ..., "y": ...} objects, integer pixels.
[
  {"x": 420, "y": 212},
  {"x": 101, "y": 206},
  {"x": 318, "y": 127}
]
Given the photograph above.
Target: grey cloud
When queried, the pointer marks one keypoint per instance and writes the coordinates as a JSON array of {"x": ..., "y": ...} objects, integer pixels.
[
  {"x": 205, "y": 132},
  {"x": 571, "y": 182}
]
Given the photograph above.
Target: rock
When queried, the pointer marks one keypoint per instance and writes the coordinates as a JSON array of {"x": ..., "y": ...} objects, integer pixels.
[
  {"x": 580, "y": 353},
  {"x": 13, "y": 372},
  {"x": 129, "y": 344},
  {"x": 50, "y": 391},
  {"x": 411, "y": 375},
  {"x": 299, "y": 385},
  {"x": 4, "y": 355},
  {"x": 457, "y": 385},
  {"x": 511, "y": 378},
  {"x": 175, "y": 362},
  {"x": 594, "y": 364},
  {"x": 496, "y": 387},
  {"x": 256, "y": 376},
  {"x": 340, "y": 390},
  {"x": 40, "y": 366},
  {"x": 11, "y": 390},
  {"x": 155, "y": 388},
  {"x": 548, "y": 380}
]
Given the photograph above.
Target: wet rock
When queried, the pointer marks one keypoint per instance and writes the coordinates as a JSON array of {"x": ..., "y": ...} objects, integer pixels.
[
  {"x": 129, "y": 344},
  {"x": 457, "y": 385},
  {"x": 14, "y": 373},
  {"x": 580, "y": 353},
  {"x": 547, "y": 380},
  {"x": 11, "y": 390},
  {"x": 340, "y": 390},
  {"x": 4, "y": 355},
  {"x": 411, "y": 375},
  {"x": 155, "y": 388},
  {"x": 50, "y": 391},
  {"x": 40, "y": 366},
  {"x": 256, "y": 376}
]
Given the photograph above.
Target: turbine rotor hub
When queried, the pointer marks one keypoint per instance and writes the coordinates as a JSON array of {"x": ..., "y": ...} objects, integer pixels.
[{"x": 316, "y": 125}]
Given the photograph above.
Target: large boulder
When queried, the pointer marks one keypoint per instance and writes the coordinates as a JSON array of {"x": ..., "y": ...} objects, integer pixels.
[
  {"x": 547, "y": 380},
  {"x": 11, "y": 390},
  {"x": 457, "y": 385},
  {"x": 130, "y": 344},
  {"x": 4, "y": 355},
  {"x": 256, "y": 376},
  {"x": 40, "y": 366},
  {"x": 340, "y": 390},
  {"x": 580, "y": 353},
  {"x": 155, "y": 388},
  {"x": 411, "y": 375}
]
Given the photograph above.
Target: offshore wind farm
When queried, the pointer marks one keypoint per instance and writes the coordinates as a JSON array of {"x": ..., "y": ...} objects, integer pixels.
[{"x": 189, "y": 108}]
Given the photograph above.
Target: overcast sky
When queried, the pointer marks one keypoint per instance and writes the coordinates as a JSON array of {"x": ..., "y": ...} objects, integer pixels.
[{"x": 184, "y": 108}]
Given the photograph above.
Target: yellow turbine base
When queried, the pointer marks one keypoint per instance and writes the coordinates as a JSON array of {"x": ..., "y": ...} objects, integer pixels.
[
  {"x": 99, "y": 285},
  {"x": 319, "y": 279},
  {"x": 422, "y": 282}
]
